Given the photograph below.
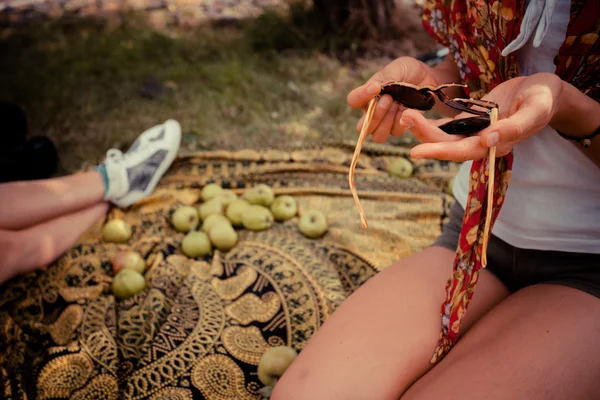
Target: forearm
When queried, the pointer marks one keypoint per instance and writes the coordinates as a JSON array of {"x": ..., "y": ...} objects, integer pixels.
[
  {"x": 447, "y": 72},
  {"x": 578, "y": 115}
]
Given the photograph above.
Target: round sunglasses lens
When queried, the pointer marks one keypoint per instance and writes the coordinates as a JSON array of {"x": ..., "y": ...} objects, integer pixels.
[
  {"x": 465, "y": 126},
  {"x": 409, "y": 97}
]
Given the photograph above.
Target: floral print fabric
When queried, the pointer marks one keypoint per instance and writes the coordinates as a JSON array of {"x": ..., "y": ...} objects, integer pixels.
[{"x": 476, "y": 32}]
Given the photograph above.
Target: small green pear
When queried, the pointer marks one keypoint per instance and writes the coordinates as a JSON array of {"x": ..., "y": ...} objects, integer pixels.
[
  {"x": 236, "y": 210},
  {"x": 273, "y": 364},
  {"x": 116, "y": 231},
  {"x": 450, "y": 186},
  {"x": 313, "y": 224},
  {"x": 227, "y": 197},
  {"x": 196, "y": 244},
  {"x": 128, "y": 283},
  {"x": 401, "y": 168},
  {"x": 257, "y": 218},
  {"x": 212, "y": 206},
  {"x": 129, "y": 259},
  {"x": 185, "y": 219},
  {"x": 210, "y": 191},
  {"x": 212, "y": 220},
  {"x": 261, "y": 195},
  {"x": 223, "y": 236},
  {"x": 284, "y": 208}
]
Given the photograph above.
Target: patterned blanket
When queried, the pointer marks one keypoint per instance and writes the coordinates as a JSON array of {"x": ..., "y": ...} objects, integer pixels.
[{"x": 201, "y": 326}]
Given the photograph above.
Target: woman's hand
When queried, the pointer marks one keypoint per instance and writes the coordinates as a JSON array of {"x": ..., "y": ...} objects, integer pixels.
[
  {"x": 526, "y": 106},
  {"x": 386, "y": 119}
]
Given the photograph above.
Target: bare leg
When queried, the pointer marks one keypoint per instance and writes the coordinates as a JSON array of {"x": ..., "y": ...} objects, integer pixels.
[
  {"x": 35, "y": 247},
  {"x": 24, "y": 204},
  {"x": 381, "y": 339},
  {"x": 539, "y": 344}
]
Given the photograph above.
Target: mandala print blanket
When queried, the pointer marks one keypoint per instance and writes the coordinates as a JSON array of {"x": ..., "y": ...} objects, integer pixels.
[
  {"x": 201, "y": 326},
  {"x": 476, "y": 32}
]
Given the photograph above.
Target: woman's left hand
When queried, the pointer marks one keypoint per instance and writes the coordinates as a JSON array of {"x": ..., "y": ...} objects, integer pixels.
[{"x": 526, "y": 106}]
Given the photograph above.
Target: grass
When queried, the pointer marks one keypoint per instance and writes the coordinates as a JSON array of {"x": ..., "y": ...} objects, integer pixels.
[{"x": 80, "y": 84}]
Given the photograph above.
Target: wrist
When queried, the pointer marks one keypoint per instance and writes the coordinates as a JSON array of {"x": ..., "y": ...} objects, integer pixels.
[{"x": 576, "y": 115}]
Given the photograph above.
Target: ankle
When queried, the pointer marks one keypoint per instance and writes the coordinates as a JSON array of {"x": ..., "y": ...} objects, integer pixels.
[{"x": 101, "y": 169}]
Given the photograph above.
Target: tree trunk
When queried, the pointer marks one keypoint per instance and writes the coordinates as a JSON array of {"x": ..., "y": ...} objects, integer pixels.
[{"x": 371, "y": 18}]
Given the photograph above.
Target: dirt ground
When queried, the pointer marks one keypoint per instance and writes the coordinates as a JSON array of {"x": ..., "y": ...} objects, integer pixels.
[{"x": 91, "y": 85}]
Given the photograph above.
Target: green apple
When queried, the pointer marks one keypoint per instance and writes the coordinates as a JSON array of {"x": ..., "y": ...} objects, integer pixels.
[
  {"x": 196, "y": 244},
  {"x": 212, "y": 206},
  {"x": 284, "y": 208},
  {"x": 274, "y": 362},
  {"x": 257, "y": 218},
  {"x": 227, "y": 197},
  {"x": 261, "y": 195},
  {"x": 401, "y": 168},
  {"x": 313, "y": 224},
  {"x": 129, "y": 260},
  {"x": 185, "y": 219},
  {"x": 210, "y": 191},
  {"x": 236, "y": 210},
  {"x": 223, "y": 236},
  {"x": 116, "y": 231},
  {"x": 214, "y": 219},
  {"x": 128, "y": 283},
  {"x": 450, "y": 186}
]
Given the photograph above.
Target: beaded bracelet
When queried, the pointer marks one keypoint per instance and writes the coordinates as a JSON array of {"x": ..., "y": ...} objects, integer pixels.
[{"x": 583, "y": 141}]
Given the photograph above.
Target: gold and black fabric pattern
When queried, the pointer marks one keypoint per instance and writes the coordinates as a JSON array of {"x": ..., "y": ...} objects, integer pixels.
[{"x": 199, "y": 329}]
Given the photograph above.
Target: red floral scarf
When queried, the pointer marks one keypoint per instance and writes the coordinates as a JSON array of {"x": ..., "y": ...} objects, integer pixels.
[{"x": 476, "y": 32}]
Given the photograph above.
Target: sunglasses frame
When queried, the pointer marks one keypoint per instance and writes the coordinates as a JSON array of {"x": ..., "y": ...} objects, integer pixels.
[
  {"x": 491, "y": 114},
  {"x": 459, "y": 104}
]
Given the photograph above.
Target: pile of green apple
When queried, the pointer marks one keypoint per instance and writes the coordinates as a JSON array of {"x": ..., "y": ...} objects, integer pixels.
[
  {"x": 128, "y": 266},
  {"x": 214, "y": 223}
]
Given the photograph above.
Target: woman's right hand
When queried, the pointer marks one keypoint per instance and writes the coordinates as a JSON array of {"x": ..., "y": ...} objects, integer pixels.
[{"x": 386, "y": 119}]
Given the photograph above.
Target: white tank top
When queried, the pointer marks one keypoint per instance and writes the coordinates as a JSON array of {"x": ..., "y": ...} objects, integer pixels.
[{"x": 553, "y": 199}]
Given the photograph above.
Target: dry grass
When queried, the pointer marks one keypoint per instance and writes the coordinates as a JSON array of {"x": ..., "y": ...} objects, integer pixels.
[{"x": 80, "y": 85}]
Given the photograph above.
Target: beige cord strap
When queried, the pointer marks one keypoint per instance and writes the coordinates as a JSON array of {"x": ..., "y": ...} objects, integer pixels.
[
  {"x": 361, "y": 140},
  {"x": 490, "y": 197}
]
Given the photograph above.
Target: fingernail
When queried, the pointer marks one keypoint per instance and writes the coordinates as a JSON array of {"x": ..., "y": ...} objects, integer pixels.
[
  {"x": 415, "y": 153},
  {"x": 407, "y": 122},
  {"x": 493, "y": 139},
  {"x": 373, "y": 88}
]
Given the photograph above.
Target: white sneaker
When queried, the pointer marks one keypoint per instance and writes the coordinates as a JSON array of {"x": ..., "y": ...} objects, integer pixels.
[{"x": 134, "y": 175}]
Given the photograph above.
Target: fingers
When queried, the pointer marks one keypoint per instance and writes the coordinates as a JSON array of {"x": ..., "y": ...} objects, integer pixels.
[
  {"x": 469, "y": 148},
  {"x": 426, "y": 131},
  {"x": 398, "y": 129},
  {"x": 458, "y": 151},
  {"x": 360, "y": 97},
  {"x": 382, "y": 132},
  {"x": 526, "y": 121},
  {"x": 406, "y": 69},
  {"x": 383, "y": 106}
]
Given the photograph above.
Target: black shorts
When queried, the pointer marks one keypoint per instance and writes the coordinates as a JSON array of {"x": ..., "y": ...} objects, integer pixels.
[{"x": 518, "y": 268}]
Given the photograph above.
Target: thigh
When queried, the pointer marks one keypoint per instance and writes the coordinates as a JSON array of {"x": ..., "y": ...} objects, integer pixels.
[
  {"x": 540, "y": 343},
  {"x": 383, "y": 336}
]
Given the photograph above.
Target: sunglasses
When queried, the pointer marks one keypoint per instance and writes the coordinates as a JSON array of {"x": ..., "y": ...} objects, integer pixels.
[{"x": 423, "y": 99}]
